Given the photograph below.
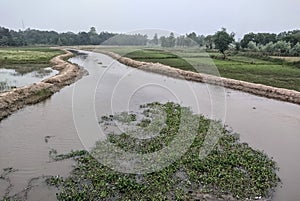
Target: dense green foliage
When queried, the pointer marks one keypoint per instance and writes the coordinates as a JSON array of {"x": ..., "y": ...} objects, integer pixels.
[
  {"x": 188, "y": 40},
  {"x": 231, "y": 169},
  {"x": 168, "y": 41},
  {"x": 260, "y": 38},
  {"x": 124, "y": 39},
  {"x": 283, "y": 44},
  {"x": 37, "y": 37},
  {"x": 222, "y": 40}
]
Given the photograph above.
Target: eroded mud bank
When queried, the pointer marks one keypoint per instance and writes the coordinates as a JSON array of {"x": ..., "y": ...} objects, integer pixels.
[
  {"x": 257, "y": 89},
  {"x": 18, "y": 98}
]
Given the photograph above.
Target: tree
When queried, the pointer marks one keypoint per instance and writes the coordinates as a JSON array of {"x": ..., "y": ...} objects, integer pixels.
[
  {"x": 237, "y": 46},
  {"x": 295, "y": 51},
  {"x": 252, "y": 46},
  {"x": 194, "y": 40},
  {"x": 93, "y": 36},
  {"x": 246, "y": 39},
  {"x": 163, "y": 41},
  {"x": 185, "y": 41},
  {"x": 180, "y": 41},
  {"x": 168, "y": 41},
  {"x": 265, "y": 38},
  {"x": 201, "y": 40},
  {"x": 291, "y": 36},
  {"x": 209, "y": 41},
  {"x": 127, "y": 39},
  {"x": 83, "y": 38},
  {"x": 93, "y": 31},
  {"x": 5, "y": 37},
  {"x": 222, "y": 40},
  {"x": 155, "y": 39},
  {"x": 104, "y": 36},
  {"x": 258, "y": 39},
  {"x": 282, "y": 47},
  {"x": 172, "y": 40},
  {"x": 269, "y": 48},
  {"x": 59, "y": 42}
]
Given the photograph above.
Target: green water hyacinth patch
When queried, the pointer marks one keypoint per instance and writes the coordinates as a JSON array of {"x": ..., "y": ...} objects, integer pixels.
[{"x": 232, "y": 169}]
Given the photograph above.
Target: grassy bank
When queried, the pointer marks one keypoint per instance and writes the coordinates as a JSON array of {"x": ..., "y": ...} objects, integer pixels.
[
  {"x": 231, "y": 170},
  {"x": 26, "y": 60},
  {"x": 271, "y": 72},
  {"x": 34, "y": 55}
]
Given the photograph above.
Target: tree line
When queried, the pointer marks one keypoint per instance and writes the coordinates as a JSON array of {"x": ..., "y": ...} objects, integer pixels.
[
  {"x": 30, "y": 37},
  {"x": 283, "y": 44}
]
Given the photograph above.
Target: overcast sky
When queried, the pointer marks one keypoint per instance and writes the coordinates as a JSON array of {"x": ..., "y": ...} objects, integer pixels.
[{"x": 181, "y": 16}]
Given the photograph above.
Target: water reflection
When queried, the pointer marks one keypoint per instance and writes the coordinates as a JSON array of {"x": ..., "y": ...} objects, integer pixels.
[{"x": 12, "y": 78}]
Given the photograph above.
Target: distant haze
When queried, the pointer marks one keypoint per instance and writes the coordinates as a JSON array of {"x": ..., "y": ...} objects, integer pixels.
[{"x": 203, "y": 17}]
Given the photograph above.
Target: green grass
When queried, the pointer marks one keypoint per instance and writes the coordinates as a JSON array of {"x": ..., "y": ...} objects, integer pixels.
[
  {"x": 38, "y": 55},
  {"x": 43, "y": 93},
  {"x": 161, "y": 56},
  {"x": 27, "y": 60},
  {"x": 249, "y": 60},
  {"x": 231, "y": 168}
]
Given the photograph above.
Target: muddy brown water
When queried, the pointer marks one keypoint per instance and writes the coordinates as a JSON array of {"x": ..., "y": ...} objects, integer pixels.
[{"x": 269, "y": 125}]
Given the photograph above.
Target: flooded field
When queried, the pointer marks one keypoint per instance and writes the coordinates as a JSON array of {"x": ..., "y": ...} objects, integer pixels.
[
  {"x": 27, "y": 137},
  {"x": 22, "y": 76}
]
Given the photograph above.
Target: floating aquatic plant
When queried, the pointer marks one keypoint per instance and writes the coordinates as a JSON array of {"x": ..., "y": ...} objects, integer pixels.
[{"x": 231, "y": 169}]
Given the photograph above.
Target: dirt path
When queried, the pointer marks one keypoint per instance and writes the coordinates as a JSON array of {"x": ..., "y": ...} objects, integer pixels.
[
  {"x": 256, "y": 89},
  {"x": 18, "y": 98}
]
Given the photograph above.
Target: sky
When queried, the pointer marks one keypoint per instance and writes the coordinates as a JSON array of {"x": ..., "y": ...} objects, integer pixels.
[{"x": 201, "y": 16}]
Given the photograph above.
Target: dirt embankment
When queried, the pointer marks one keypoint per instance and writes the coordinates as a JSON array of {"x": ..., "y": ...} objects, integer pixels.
[
  {"x": 257, "y": 89},
  {"x": 18, "y": 98}
]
